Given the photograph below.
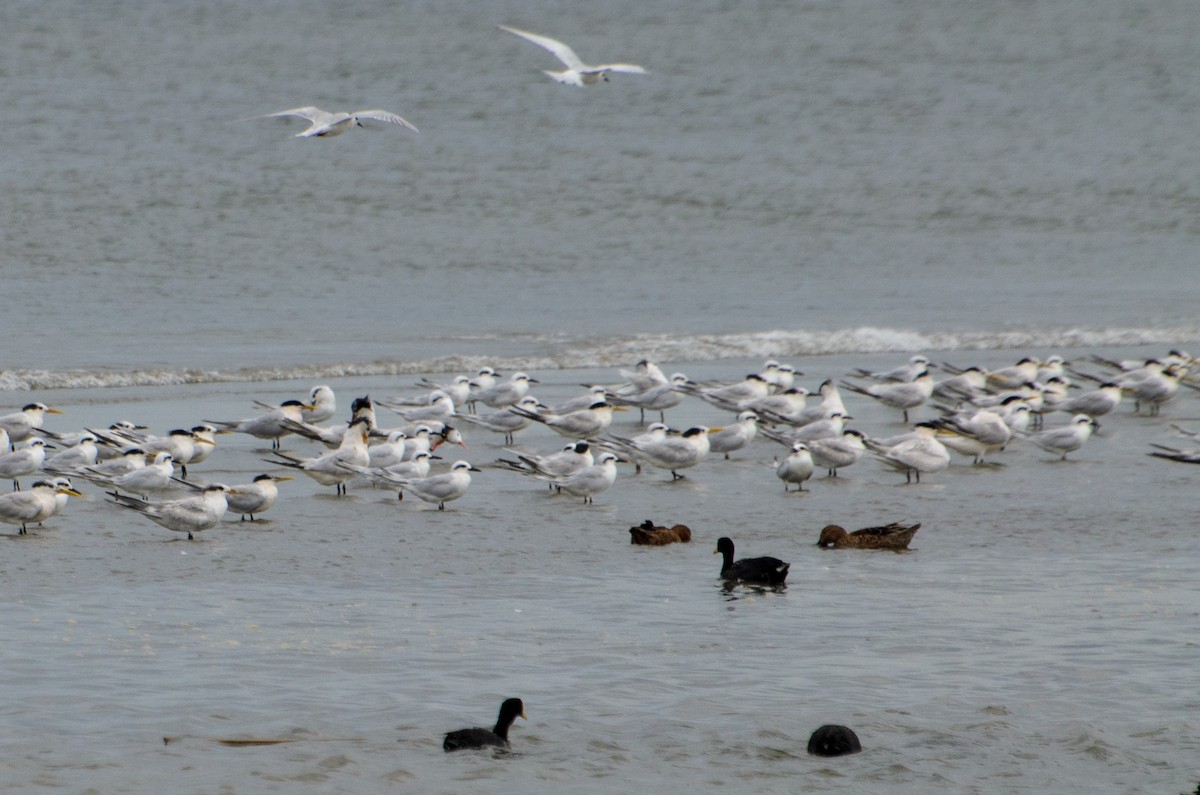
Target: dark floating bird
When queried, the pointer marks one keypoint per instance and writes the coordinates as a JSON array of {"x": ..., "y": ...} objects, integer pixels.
[
  {"x": 894, "y": 536},
  {"x": 478, "y": 737},
  {"x": 833, "y": 740},
  {"x": 764, "y": 571},
  {"x": 657, "y": 536}
]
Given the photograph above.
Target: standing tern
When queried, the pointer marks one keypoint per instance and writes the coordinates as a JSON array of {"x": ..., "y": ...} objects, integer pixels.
[
  {"x": 595, "y": 394},
  {"x": 269, "y": 425},
  {"x": 575, "y": 424},
  {"x": 657, "y": 397},
  {"x": 323, "y": 124},
  {"x": 155, "y": 476},
  {"x": 130, "y": 459},
  {"x": 784, "y": 406},
  {"x": 439, "y": 408},
  {"x": 20, "y": 425},
  {"x": 1155, "y": 389},
  {"x": 797, "y": 467},
  {"x": 828, "y": 428},
  {"x": 120, "y": 435},
  {"x": 629, "y": 446},
  {"x": 1066, "y": 439},
  {"x": 732, "y": 397},
  {"x": 975, "y": 434},
  {"x": 251, "y": 498},
  {"x": 181, "y": 443},
  {"x": 672, "y": 453},
  {"x": 506, "y": 421},
  {"x": 1096, "y": 403},
  {"x": 326, "y": 469},
  {"x": 903, "y": 374},
  {"x": 838, "y": 452},
  {"x": 590, "y": 481},
  {"x": 205, "y": 442},
  {"x": 255, "y": 497},
  {"x": 459, "y": 389},
  {"x": 26, "y": 459},
  {"x": 567, "y": 461},
  {"x": 965, "y": 385},
  {"x": 442, "y": 488},
  {"x": 323, "y": 402},
  {"x": 39, "y": 503},
  {"x": 780, "y": 377},
  {"x": 903, "y": 396},
  {"x": 331, "y": 435},
  {"x": 831, "y": 403},
  {"x": 502, "y": 394},
  {"x": 81, "y": 454},
  {"x": 577, "y": 72},
  {"x": 187, "y": 515},
  {"x": 485, "y": 378},
  {"x": 919, "y": 452},
  {"x": 644, "y": 375},
  {"x": 735, "y": 436},
  {"x": 61, "y": 496},
  {"x": 397, "y": 475},
  {"x": 1053, "y": 366},
  {"x": 1009, "y": 377},
  {"x": 419, "y": 441},
  {"x": 392, "y": 451}
]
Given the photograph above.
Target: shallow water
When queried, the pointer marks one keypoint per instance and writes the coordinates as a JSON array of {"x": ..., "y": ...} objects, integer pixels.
[
  {"x": 806, "y": 169},
  {"x": 1036, "y": 638},
  {"x": 837, "y": 185}
]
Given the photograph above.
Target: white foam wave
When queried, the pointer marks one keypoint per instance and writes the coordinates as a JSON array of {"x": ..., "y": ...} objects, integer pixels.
[{"x": 557, "y": 354}]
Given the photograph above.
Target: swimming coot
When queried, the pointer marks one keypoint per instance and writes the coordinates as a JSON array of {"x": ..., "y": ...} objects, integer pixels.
[
  {"x": 765, "y": 571},
  {"x": 478, "y": 737}
]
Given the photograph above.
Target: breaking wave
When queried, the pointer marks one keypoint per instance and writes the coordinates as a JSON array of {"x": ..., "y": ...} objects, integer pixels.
[{"x": 559, "y": 354}]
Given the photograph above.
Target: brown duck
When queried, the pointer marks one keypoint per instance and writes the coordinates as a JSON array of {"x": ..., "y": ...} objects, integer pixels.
[
  {"x": 647, "y": 533},
  {"x": 893, "y": 536}
]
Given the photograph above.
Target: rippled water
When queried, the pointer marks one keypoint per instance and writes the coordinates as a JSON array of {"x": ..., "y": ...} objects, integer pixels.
[
  {"x": 944, "y": 167},
  {"x": 835, "y": 184},
  {"x": 1038, "y": 636}
]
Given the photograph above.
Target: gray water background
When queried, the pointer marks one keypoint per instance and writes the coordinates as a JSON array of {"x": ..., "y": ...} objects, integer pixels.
[
  {"x": 949, "y": 168},
  {"x": 837, "y": 184}
]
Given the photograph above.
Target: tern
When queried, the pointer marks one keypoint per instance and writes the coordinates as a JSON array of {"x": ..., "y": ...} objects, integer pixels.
[
  {"x": 188, "y": 515},
  {"x": 273, "y": 424},
  {"x": 915, "y": 453},
  {"x": 590, "y": 481},
  {"x": 20, "y": 425},
  {"x": 838, "y": 452},
  {"x": 899, "y": 395},
  {"x": 325, "y": 468},
  {"x": 797, "y": 467},
  {"x": 1066, "y": 439},
  {"x": 25, "y": 460},
  {"x": 567, "y": 461},
  {"x": 577, "y": 72},
  {"x": 440, "y": 488},
  {"x": 323, "y": 124},
  {"x": 155, "y": 476},
  {"x": 35, "y": 505},
  {"x": 251, "y": 498}
]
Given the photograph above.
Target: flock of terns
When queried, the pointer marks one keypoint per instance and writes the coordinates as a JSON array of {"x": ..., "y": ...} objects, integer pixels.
[
  {"x": 326, "y": 124},
  {"x": 979, "y": 414}
]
